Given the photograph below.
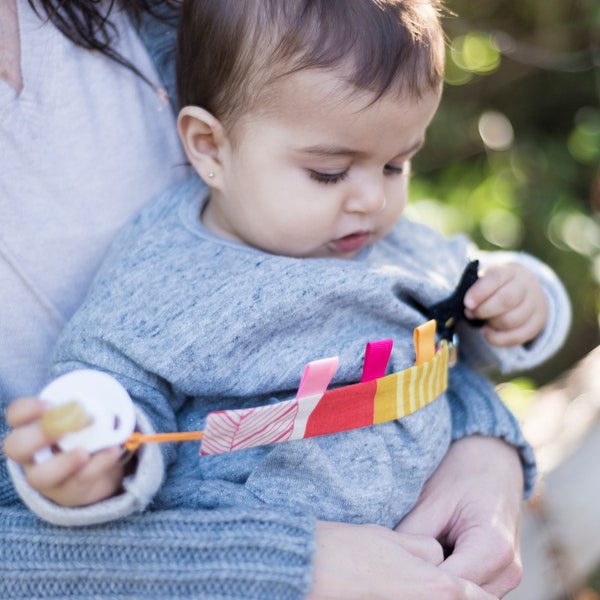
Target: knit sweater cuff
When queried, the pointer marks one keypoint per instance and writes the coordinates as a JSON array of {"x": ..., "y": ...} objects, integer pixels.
[
  {"x": 477, "y": 410},
  {"x": 221, "y": 554},
  {"x": 138, "y": 490}
]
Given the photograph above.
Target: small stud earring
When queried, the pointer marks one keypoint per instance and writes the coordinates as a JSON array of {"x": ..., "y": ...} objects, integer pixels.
[{"x": 211, "y": 175}]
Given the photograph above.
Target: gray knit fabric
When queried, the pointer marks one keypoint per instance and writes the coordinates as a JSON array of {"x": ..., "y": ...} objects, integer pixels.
[
  {"x": 165, "y": 555},
  {"x": 191, "y": 323},
  {"x": 259, "y": 554}
]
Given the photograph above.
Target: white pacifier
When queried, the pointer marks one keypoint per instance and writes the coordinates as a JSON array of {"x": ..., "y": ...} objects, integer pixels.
[{"x": 104, "y": 400}]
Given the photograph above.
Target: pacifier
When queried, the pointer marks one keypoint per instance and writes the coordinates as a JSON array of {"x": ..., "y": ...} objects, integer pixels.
[{"x": 98, "y": 402}]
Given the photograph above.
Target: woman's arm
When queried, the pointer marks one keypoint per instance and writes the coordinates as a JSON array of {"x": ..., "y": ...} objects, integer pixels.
[
  {"x": 169, "y": 554},
  {"x": 472, "y": 504}
]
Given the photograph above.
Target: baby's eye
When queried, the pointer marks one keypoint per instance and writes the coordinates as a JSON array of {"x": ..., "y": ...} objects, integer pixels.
[
  {"x": 403, "y": 169},
  {"x": 328, "y": 177}
]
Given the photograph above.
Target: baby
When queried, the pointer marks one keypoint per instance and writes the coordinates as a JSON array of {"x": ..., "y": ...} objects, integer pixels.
[{"x": 300, "y": 118}]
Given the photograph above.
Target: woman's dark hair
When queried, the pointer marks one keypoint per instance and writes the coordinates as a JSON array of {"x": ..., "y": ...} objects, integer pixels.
[
  {"x": 87, "y": 22},
  {"x": 230, "y": 50}
]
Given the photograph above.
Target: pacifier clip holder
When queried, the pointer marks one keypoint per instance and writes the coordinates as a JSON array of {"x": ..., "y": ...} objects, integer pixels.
[{"x": 315, "y": 410}]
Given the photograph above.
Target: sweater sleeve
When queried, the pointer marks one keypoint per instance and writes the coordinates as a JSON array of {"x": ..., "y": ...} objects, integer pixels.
[
  {"x": 477, "y": 409},
  {"x": 219, "y": 554},
  {"x": 260, "y": 555},
  {"x": 138, "y": 490}
]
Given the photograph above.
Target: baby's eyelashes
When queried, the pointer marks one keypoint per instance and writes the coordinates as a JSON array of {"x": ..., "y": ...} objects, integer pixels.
[{"x": 322, "y": 177}]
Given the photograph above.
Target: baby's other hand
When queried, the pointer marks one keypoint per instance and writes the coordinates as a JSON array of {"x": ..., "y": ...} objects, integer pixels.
[
  {"x": 510, "y": 298},
  {"x": 73, "y": 478}
]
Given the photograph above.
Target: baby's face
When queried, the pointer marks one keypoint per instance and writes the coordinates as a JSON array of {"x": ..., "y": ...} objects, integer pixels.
[{"x": 322, "y": 174}]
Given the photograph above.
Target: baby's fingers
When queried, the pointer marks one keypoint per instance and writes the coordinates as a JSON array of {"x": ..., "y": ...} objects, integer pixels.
[
  {"x": 24, "y": 411},
  {"x": 98, "y": 478},
  {"x": 21, "y": 444},
  {"x": 503, "y": 339},
  {"x": 33, "y": 430},
  {"x": 513, "y": 319},
  {"x": 27, "y": 436},
  {"x": 489, "y": 282},
  {"x": 55, "y": 472},
  {"x": 517, "y": 335},
  {"x": 500, "y": 302}
]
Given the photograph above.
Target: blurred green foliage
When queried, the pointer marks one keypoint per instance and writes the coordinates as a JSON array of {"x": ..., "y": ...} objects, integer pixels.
[{"x": 512, "y": 157}]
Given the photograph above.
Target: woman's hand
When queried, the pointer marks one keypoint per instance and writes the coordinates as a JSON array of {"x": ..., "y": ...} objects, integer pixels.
[
  {"x": 73, "y": 478},
  {"x": 368, "y": 561},
  {"x": 472, "y": 504}
]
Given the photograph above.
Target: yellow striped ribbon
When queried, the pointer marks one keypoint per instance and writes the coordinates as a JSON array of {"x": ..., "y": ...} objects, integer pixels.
[{"x": 401, "y": 394}]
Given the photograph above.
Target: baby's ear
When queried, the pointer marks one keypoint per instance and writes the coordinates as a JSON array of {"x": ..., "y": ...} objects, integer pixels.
[{"x": 203, "y": 138}]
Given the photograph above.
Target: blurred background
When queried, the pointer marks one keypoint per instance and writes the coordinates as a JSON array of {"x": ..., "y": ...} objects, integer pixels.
[{"x": 513, "y": 159}]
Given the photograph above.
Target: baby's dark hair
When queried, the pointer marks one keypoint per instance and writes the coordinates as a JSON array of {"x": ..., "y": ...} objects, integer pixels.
[{"x": 230, "y": 51}]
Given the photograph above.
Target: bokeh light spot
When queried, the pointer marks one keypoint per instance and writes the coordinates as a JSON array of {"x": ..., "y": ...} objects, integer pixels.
[
  {"x": 502, "y": 228},
  {"x": 575, "y": 231},
  {"x": 496, "y": 130},
  {"x": 476, "y": 52}
]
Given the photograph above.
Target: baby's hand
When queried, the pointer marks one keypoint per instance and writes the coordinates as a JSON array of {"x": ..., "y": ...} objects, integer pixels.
[
  {"x": 74, "y": 478},
  {"x": 510, "y": 298}
]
